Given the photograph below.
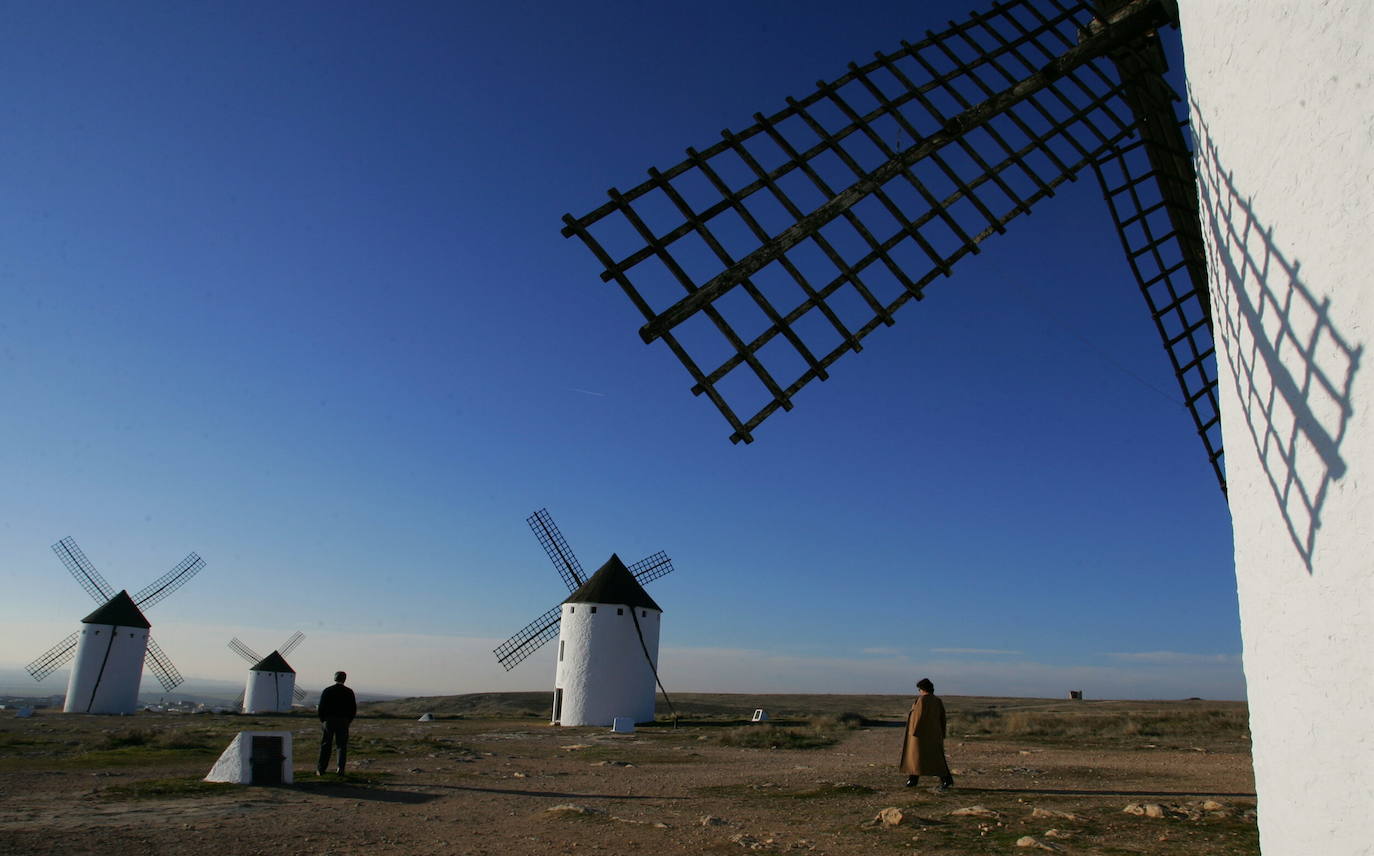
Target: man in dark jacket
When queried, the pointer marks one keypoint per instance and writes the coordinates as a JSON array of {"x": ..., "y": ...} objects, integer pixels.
[{"x": 337, "y": 709}]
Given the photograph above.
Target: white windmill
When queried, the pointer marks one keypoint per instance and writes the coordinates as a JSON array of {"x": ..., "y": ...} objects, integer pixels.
[
  {"x": 271, "y": 686},
  {"x": 607, "y": 629},
  {"x": 1245, "y": 227},
  {"x": 114, "y": 641}
]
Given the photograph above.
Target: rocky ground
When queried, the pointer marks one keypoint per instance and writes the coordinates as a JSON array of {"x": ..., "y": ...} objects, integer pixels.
[{"x": 78, "y": 784}]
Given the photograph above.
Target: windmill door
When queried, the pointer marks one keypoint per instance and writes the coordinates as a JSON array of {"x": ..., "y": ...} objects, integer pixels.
[
  {"x": 557, "y": 704},
  {"x": 265, "y": 761}
]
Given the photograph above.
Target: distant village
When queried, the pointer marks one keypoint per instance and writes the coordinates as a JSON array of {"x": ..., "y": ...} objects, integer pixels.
[{"x": 179, "y": 705}]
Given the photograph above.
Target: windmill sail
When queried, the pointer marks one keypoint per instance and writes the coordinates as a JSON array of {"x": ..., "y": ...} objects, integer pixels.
[
  {"x": 82, "y": 569},
  {"x": 559, "y": 552},
  {"x": 764, "y": 258},
  {"x": 1151, "y": 191},
  {"x": 530, "y": 639},
  {"x": 290, "y": 644},
  {"x": 651, "y": 568},
  {"x": 54, "y": 658},
  {"x": 161, "y": 666},
  {"x": 170, "y": 581},
  {"x": 244, "y": 651}
]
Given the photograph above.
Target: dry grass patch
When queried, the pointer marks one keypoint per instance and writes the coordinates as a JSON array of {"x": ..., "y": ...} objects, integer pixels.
[
  {"x": 148, "y": 789},
  {"x": 775, "y": 737},
  {"x": 1108, "y": 721}
]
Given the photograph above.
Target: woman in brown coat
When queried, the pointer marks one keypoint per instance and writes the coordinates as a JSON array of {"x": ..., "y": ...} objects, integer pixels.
[{"x": 923, "y": 742}]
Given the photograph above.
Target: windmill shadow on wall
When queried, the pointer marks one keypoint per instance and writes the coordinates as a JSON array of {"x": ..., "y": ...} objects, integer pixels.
[{"x": 1292, "y": 369}]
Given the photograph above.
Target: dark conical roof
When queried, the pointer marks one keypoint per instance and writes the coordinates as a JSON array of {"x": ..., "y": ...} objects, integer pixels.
[
  {"x": 120, "y": 611},
  {"x": 613, "y": 583},
  {"x": 273, "y": 662}
]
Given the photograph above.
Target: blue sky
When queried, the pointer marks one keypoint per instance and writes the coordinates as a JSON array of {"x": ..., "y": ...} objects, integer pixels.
[{"x": 285, "y": 286}]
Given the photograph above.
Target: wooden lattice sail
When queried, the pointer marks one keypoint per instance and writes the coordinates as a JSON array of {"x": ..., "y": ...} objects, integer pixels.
[{"x": 762, "y": 259}]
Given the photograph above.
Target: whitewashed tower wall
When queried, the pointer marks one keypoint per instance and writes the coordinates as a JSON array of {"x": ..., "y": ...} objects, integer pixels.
[
  {"x": 1282, "y": 103},
  {"x": 268, "y": 692},
  {"x": 107, "y": 670},
  {"x": 602, "y": 671}
]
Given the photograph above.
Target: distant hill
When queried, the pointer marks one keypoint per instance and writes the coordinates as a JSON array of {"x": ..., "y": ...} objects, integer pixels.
[
  {"x": 696, "y": 705},
  {"x": 16, "y": 684},
  {"x": 1194, "y": 719}
]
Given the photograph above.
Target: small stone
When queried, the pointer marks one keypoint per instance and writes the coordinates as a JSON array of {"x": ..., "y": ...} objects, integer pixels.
[
  {"x": 891, "y": 816},
  {"x": 748, "y": 841},
  {"x": 517, "y": 775},
  {"x": 638, "y": 822},
  {"x": 1156, "y": 810},
  {"x": 573, "y": 808},
  {"x": 1058, "y": 815},
  {"x": 1057, "y": 833},
  {"x": 1032, "y": 841},
  {"x": 712, "y": 820},
  {"x": 974, "y": 811},
  {"x": 1213, "y": 805}
]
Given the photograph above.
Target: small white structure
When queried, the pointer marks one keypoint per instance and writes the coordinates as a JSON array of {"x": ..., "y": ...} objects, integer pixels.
[
  {"x": 607, "y": 651},
  {"x": 271, "y": 685},
  {"x": 109, "y": 659},
  {"x": 255, "y": 758},
  {"x": 426, "y": 717},
  {"x": 1286, "y": 190},
  {"x": 760, "y": 715}
]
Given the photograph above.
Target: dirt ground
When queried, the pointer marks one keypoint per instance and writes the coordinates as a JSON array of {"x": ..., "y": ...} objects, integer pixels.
[{"x": 70, "y": 785}]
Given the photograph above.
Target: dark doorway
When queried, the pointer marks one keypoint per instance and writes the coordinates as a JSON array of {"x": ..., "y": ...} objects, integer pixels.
[
  {"x": 265, "y": 761},
  {"x": 557, "y": 705}
]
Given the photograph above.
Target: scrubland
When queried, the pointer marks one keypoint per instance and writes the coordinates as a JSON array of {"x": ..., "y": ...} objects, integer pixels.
[{"x": 490, "y": 776}]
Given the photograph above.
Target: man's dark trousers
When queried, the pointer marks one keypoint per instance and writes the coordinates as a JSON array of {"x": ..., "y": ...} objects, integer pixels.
[{"x": 334, "y": 731}]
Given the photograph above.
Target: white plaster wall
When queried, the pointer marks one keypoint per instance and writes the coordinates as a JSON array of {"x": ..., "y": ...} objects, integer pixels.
[
  {"x": 1282, "y": 101},
  {"x": 115, "y": 690},
  {"x": 268, "y": 692},
  {"x": 235, "y": 762},
  {"x": 601, "y": 667}
]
